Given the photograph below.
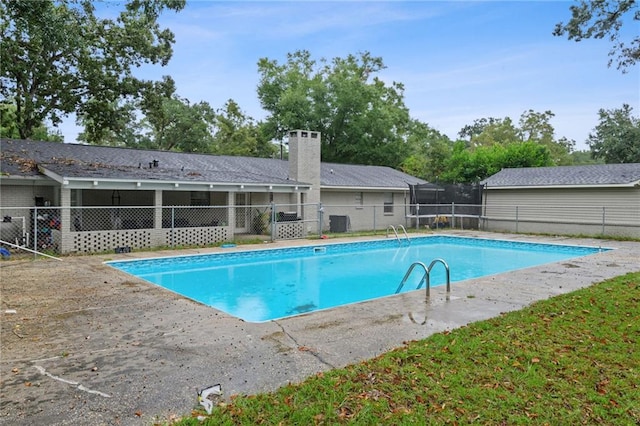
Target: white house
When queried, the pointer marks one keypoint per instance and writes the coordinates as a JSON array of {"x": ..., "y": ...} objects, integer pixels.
[{"x": 95, "y": 198}]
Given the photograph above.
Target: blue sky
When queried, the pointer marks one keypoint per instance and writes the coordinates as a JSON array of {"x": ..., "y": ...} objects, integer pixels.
[{"x": 458, "y": 60}]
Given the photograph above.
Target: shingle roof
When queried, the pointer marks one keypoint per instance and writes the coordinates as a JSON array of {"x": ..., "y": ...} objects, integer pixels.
[
  {"x": 588, "y": 175},
  {"x": 349, "y": 175},
  {"x": 20, "y": 157}
]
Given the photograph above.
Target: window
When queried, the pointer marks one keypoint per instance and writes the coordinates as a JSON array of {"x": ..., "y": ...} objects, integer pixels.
[
  {"x": 359, "y": 200},
  {"x": 388, "y": 202}
]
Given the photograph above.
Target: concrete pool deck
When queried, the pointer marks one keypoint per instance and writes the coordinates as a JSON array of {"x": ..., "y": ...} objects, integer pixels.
[{"x": 83, "y": 343}]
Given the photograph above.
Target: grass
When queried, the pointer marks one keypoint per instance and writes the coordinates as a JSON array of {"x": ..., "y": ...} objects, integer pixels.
[{"x": 572, "y": 359}]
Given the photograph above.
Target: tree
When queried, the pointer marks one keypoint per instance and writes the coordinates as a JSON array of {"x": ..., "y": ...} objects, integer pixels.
[
  {"x": 176, "y": 125},
  {"x": 536, "y": 127},
  {"x": 160, "y": 119},
  {"x": 58, "y": 57},
  {"x": 497, "y": 132},
  {"x": 237, "y": 134},
  {"x": 471, "y": 131},
  {"x": 470, "y": 166},
  {"x": 600, "y": 19},
  {"x": 584, "y": 157},
  {"x": 124, "y": 130},
  {"x": 616, "y": 138},
  {"x": 429, "y": 150},
  {"x": 362, "y": 120},
  {"x": 9, "y": 127}
]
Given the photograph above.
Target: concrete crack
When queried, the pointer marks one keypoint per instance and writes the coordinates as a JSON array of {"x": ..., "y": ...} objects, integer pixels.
[{"x": 307, "y": 349}]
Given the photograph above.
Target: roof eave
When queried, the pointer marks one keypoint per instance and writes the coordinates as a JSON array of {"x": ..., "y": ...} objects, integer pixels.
[
  {"x": 126, "y": 184},
  {"x": 587, "y": 186}
]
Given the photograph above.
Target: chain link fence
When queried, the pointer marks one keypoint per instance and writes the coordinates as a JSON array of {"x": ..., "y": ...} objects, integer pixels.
[
  {"x": 58, "y": 230},
  {"x": 611, "y": 220},
  {"x": 36, "y": 228}
]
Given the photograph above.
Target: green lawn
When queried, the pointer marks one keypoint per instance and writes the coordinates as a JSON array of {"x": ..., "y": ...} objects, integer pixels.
[{"x": 573, "y": 359}]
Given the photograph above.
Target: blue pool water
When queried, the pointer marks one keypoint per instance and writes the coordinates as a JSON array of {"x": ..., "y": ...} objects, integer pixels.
[{"x": 268, "y": 284}]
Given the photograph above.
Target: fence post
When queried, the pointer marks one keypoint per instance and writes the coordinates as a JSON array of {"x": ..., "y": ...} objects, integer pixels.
[
  {"x": 516, "y": 219},
  {"x": 320, "y": 219},
  {"x": 35, "y": 230},
  {"x": 453, "y": 215},
  {"x": 603, "y": 218},
  {"x": 417, "y": 217}
]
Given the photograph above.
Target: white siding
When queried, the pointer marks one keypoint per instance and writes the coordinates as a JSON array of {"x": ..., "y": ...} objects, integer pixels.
[{"x": 572, "y": 210}]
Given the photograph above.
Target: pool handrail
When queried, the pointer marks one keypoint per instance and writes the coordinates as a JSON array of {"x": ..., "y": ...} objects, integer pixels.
[
  {"x": 405, "y": 233},
  {"x": 393, "y": 228},
  {"x": 426, "y": 277},
  {"x": 406, "y": 275}
]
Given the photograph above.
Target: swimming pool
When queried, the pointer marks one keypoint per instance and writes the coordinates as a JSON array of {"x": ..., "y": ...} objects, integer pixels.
[{"x": 262, "y": 285}]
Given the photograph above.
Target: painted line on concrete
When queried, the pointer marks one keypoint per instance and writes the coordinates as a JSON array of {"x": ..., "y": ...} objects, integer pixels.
[{"x": 71, "y": 382}]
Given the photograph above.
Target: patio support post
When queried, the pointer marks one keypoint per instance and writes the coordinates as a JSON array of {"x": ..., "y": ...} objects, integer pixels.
[
  {"x": 231, "y": 224},
  {"x": 158, "y": 235},
  {"x": 65, "y": 221}
]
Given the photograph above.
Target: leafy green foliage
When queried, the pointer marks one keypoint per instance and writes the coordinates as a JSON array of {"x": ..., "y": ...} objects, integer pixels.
[
  {"x": 172, "y": 123},
  {"x": 600, "y": 19},
  {"x": 536, "y": 127},
  {"x": 617, "y": 137},
  {"x": 584, "y": 157},
  {"x": 467, "y": 165},
  {"x": 237, "y": 134},
  {"x": 428, "y": 152},
  {"x": 9, "y": 127},
  {"x": 572, "y": 359},
  {"x": 495, "y": 143},
  {"x": 58, "y": 57},
  {"x": 532, "y": 127},
  {"x": 490, "y": 131},
  {"x": 362, "y": 120},
  {"x": 182, "y": 127}
]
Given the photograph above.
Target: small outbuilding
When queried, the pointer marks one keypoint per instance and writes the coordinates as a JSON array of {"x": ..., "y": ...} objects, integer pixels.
[{"x": 600, "y": 199}]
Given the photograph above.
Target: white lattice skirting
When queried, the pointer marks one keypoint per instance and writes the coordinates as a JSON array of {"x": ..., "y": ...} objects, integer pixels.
[
  {"x": 289, "y": 231},
  {"x": 101, "y": 241},
  {"x": 197, "y": 236}
]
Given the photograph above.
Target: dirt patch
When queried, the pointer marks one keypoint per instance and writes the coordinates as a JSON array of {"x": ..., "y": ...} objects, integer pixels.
[
  {"x": 325, "y": 325},
  {"x": 388, "y": 319}
]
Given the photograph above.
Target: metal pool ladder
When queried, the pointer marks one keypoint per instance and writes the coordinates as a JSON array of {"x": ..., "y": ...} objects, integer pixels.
[
  {"x": 426, "y": 277},
  {"x": 393, "y": 228}
]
